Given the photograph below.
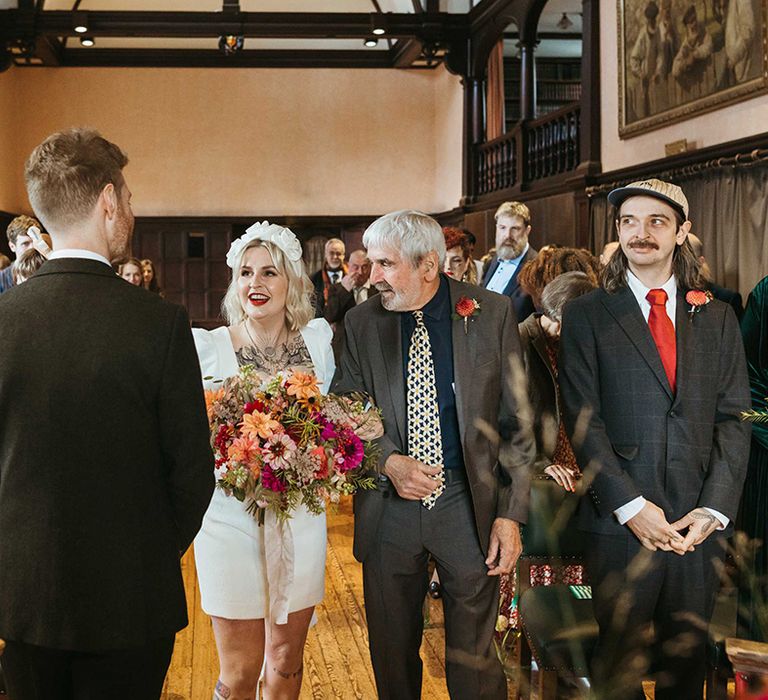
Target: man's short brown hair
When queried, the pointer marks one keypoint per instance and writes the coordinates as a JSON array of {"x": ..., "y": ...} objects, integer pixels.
[
  {"x": 19, "y": 226},
  {"x": 514, "y": 209},
  {"x": 66, "y": 173}
]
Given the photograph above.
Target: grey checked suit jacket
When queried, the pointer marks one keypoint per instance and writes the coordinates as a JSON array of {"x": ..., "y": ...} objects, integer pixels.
[
  {"x": 679, "y": 450},
  {"x": 498, "y": 470}
]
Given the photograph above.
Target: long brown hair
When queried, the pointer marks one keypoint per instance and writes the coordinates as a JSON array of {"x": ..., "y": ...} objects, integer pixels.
[{"x": 685, "y": 267}]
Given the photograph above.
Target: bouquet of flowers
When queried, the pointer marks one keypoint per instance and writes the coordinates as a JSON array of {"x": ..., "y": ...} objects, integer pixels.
[{"x": 279, "y": 442}]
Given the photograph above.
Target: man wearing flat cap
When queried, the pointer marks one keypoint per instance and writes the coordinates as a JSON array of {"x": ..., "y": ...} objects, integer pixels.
[{"x": 653, "y": 380}]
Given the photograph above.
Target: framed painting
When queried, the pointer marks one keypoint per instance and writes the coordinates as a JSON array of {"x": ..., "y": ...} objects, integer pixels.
[{"x": 680, "y": 58}]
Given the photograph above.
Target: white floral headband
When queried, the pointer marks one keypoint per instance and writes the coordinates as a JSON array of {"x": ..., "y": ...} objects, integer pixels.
[{"x": 283, "y": 238}]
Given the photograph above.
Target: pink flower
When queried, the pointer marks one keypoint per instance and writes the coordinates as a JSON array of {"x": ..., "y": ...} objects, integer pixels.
[
  {"x": 351, "y": 451},
  {"x": 270, "y": 480}
]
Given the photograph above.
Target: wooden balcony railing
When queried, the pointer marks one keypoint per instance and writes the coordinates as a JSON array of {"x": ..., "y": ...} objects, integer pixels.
[{"x": 532, "y": 151}]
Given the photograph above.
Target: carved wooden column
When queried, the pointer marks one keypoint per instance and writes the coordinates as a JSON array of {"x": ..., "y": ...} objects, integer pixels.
[{"x": 590, "y": 89}]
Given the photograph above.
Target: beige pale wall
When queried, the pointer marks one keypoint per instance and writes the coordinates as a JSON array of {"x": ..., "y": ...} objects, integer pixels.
[
  {"x": 9, "y": 178},
  {"x": 256, "y": 142},
  {"x": 729, "y": 123}
]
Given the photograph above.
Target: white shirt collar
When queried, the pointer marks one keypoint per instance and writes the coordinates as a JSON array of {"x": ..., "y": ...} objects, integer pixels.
[{"x": 77, "y": 253}]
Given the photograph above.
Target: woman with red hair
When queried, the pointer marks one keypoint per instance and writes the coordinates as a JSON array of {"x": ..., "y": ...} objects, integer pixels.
[{"x": 458, "y": 259}]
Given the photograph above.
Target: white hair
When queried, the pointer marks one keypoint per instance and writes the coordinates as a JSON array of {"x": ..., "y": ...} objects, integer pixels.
[{"x": 412, "y": 233}]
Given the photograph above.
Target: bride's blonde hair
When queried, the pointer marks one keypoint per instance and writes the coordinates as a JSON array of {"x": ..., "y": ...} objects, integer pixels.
[{"x": 298, "y": 301}]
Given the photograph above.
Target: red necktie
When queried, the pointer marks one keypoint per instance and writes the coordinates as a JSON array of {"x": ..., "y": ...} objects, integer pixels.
[{"x": 663, "y": 333}]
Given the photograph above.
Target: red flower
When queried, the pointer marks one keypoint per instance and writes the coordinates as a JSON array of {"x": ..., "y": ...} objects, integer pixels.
[
  {"x": 697, "y": 297},
  {"x": 466, "y": 307}
]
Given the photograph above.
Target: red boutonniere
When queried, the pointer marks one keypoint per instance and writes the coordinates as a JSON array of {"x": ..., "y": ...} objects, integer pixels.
[
  {"x": 466, "y": 308},
  {"x": 697, "y": 298}
]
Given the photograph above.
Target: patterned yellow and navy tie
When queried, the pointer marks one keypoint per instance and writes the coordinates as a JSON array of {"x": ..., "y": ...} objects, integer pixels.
[{"x": 424, "y": 438}]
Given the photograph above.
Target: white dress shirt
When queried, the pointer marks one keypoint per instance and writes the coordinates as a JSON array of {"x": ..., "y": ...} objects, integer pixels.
[
  {"x": 504, "y": 272},
  {"x": 77, "y": 253},
  {"x": 640, "y": 291},
  {"x": 362, "y": 293}
]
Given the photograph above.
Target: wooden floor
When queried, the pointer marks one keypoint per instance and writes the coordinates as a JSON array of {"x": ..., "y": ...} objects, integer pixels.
[{"x": 336, "y": 661}]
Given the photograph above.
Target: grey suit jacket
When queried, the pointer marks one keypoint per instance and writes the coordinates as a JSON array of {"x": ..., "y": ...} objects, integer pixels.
[
  {"x": 498, "y": 470},
  {"x": 630, "y": 431}
]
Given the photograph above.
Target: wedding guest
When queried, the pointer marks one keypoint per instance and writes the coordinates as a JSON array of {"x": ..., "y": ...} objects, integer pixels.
[
  {"x": 513, "y": 227},
  {"x": 550, "y": 263},
  {"x": 727, "y": 295},
  {"x": 539, "y": 338},
  {"x": 458, "y": 256},
  {"x": 540, "y": 341},
  {"x": 257, "y": 615},
  {"x": 329, "y": 274},
  {"x": 654, "y": 381},
  {"x": 27, "y": 265},
  {"x": 130, "y": 271},
  {"x": 18, "y": 242},
  {"x": 357, "y": 281},
  {"x": 477, "y": 263},
  {"x": 149, "y": 277},
  {"x": 106, "y": 461},
  {"x": 753, "y": 515},
  {"x": 435, "y": 381}
]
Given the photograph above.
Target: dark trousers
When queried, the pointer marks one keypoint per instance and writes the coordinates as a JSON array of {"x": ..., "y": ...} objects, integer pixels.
[
  {"x": 653, "y": 610},
  {"x": 395, "y": 583},
  {"x": 37, "y": 673}
]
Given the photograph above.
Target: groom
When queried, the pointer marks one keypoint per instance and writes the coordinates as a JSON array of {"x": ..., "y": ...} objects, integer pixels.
[
  {"x": 105, "y": 462},
  {"x": 440, "y": 372}
]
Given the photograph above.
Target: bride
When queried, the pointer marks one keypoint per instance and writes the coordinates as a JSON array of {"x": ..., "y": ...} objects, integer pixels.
[{"x": 261, "y": 613}]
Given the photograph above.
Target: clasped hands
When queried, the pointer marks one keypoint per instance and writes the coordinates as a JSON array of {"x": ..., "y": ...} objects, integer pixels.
[
  {"x": 650, "y": 526},
  {"x": 413, "y": 481}
]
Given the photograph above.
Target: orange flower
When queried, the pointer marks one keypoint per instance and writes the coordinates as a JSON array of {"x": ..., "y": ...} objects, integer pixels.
[
  {"x": 303, "y": 386},
  {"x": 259, "y": 424},
  {"x": 242, "y": 449},
  {"x": 211, "y": 397}
]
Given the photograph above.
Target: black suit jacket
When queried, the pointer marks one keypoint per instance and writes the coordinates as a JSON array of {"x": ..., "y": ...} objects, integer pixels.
[
  {"x": 521, "y": 301},
  {"x": 729, "y": 297},
  {"x": 497, "y": 469},
  {"x": 105, "y": 464},
  {"x": 679, "y": 450}
]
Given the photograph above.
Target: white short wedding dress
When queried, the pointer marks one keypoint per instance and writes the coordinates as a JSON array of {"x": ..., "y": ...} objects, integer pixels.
[{"x": 230, "y": 551}]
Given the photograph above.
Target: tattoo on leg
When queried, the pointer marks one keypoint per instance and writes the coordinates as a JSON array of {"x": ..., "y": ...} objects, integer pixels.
[
  {"x": 288, "y": 676},
  {"x": 222, "y": 692},
  {"x": 701, "y": 514}
]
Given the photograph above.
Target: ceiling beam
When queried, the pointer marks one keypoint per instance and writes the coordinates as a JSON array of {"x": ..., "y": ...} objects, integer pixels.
[
  {"x": 197, "y": 58},
  {"x": 285, "y": 25},
  {"x": 405, "y": 52}
]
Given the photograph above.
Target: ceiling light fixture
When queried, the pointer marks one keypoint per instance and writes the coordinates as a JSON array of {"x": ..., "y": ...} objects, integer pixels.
[
  {"x": 378, "y": 24},
  {"x": 370, "y": 43},
  {"x": 87, "y": 41},
  {"x": 565, "y": 22},
  {"x": 80, "y": 22}
]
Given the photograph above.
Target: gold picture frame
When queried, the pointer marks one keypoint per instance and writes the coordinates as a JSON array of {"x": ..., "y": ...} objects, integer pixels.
[{"x": 681, "y": 58}]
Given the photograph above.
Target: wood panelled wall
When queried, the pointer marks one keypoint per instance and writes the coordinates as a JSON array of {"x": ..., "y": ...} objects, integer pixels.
[{"x": 189, "y": 254}]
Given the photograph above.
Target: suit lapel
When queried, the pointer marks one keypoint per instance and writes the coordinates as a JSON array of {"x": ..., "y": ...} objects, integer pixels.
[
  {"x": 685, "y": 342},
  {"x": 624, "y": 308},
  {"x": 490, "y": 271},
  {"x": 464, "y": 350},
  {"x": 390, "y": 347}
]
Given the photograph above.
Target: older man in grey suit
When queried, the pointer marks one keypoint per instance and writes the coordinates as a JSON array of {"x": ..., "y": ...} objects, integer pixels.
[
  {"x": 654, "y": 380},
  {"x": 440, "y": 373}
]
